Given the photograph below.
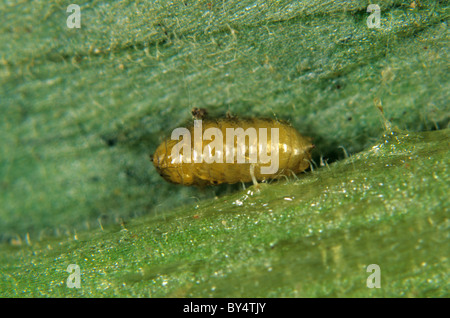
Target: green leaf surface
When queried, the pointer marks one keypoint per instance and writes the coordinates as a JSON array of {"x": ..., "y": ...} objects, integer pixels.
[{"x": 82, "y": 110}]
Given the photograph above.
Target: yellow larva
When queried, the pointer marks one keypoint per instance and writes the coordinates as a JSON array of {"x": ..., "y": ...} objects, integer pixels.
[{"x": 294, "y": 153}]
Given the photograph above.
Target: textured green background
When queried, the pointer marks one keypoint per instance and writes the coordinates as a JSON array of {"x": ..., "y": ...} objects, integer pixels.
[{"x": 83, "y": 108}]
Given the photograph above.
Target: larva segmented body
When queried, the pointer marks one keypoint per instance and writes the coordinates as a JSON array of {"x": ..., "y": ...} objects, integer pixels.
[{"x": 190, "y": 166}]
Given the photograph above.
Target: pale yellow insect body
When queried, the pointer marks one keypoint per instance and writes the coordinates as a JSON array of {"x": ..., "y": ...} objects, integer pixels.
[{"x": 294, "y": 154}]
